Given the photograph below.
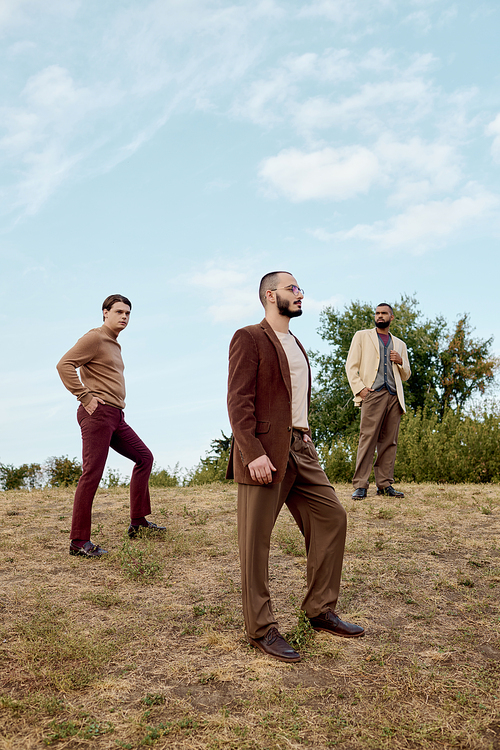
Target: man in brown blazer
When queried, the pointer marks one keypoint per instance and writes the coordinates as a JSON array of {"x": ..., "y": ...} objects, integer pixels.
[
  {"x": 376, "y": 366},
  {"x": 274, "y": 462}
]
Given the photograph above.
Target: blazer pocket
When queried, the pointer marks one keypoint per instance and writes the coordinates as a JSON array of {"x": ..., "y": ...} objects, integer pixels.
[{"x": 262, "y": 427}]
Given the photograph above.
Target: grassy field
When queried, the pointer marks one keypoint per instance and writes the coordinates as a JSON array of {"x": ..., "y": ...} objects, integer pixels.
[{"x": 146, "y": 647}]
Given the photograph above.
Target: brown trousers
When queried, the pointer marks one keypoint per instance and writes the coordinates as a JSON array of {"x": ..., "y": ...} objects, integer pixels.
[
  {"x": 379, "y": 428},
  {"x": 321, "y": 518}
]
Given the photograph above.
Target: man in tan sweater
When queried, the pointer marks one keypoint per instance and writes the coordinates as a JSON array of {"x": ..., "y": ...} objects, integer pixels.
[{"x": 101, "y": 392}]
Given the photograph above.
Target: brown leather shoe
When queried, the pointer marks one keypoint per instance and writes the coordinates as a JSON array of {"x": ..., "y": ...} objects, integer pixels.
[
  {"x": 133, "y": 531},
  {"x": 88, "y": 550},
  {"x": 331, "y": 623},
  {"x": 273, "y": 644}
]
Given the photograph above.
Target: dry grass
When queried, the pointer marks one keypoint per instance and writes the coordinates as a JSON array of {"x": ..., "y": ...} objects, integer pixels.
[{"x": 146, "y": 647}]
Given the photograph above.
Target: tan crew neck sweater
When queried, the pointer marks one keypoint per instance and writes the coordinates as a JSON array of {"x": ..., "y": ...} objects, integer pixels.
[{"x": 98, "y": 355}]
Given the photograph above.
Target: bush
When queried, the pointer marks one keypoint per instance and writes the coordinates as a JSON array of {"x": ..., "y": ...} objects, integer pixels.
[
  {"x": 27, "y": 476},
  {"x": 459, "y": 448},
  {"x": 61, "y": 471},
  {"x": 113, "y": 478},
  {"x": 213, "y": 467},
  {"x": 165, "y": 477},
  {"x": 339, "y": 460}
]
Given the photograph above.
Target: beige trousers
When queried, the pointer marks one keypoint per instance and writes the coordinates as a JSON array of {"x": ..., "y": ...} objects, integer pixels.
[
  {"x": 321, "y": 518},
  {"x": 379, "y": 428}
]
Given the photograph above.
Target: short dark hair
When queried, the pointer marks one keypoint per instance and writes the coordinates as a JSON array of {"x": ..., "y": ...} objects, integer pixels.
[
  {"x": 269, "y": 281},
  {"x": 385, "y": 304},
  {"x": 110, "y": 301}
]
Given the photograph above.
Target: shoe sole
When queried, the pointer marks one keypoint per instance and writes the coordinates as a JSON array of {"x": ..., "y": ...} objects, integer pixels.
[
  {"x": 385, "y": 494},
  {"x": 339, "y": 635},
  {"x": 293, "y": 660}
]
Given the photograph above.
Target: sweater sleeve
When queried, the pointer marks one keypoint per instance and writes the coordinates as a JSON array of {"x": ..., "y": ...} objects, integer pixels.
[{"x": 82, "y": 352}]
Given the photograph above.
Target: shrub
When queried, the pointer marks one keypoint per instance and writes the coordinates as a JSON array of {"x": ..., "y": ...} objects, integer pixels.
[
  {"x": 113, "y": 478},
  {"x": 61, "y": 471},
  {"x": 165, "y": 477},
  {"x": 339, "y": 460},
  {"x": 27, "y": 476},
  {"x": 458, "y": 448},
  {"x": 213, "y": 467}
]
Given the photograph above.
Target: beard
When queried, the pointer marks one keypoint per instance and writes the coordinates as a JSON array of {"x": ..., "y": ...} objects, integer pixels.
[
  {"x": 285, "y": 309},
  {"x": 383, "y": 324}
]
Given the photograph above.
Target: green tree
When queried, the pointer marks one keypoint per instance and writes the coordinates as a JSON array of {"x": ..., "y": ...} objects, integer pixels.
[
  {"x": 213, "y": 467},
  {"x": 467, "y": 366},
  {"x": 27, "y": 476},
  {"x": 62, "y": 471}
]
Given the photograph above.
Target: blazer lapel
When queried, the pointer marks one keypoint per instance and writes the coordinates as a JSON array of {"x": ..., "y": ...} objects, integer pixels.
[{"x": 374, "y": 340}]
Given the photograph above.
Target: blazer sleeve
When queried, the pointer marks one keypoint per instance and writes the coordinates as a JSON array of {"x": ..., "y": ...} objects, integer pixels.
[
  {"x": 353, "y": 364},
  {"x": 241, "y": 394},
  {"x": 404, "y": 369}
]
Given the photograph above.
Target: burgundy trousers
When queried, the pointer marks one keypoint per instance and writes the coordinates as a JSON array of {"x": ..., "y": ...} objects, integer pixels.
[
  {"x": 321, "y": 518},
  {"x": 103, "y": 429}
]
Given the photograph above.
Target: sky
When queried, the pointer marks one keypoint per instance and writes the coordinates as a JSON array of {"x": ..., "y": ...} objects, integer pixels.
[{"x": 175, "y": 151}]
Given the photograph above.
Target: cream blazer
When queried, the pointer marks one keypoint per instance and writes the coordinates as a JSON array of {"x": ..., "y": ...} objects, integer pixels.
[{"x": 363, "y": 359}]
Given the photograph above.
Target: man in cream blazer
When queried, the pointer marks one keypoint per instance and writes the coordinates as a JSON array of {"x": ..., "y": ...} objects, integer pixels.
[{"x": 376, "y": 366}]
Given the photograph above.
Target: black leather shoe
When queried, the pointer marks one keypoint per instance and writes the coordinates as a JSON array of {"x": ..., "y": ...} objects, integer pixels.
[
  {"x": 88, "y": 550},
  {"x": 331, "y": 623},
  {"x": 390, "y": 491},
  {"x": 273, "y": 644},
  {"x": 135, "y": 530},
  {"x": 359, "y": 493}
]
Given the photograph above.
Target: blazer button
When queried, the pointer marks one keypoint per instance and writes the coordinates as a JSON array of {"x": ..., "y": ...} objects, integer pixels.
[{"x": 289, "y": 429}]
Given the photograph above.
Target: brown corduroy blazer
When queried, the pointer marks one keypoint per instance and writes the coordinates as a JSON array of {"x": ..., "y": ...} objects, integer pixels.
[{"x": 259, "y": 401}]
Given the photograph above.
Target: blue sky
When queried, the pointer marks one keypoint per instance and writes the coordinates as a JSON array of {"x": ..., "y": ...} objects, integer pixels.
[{"x": 175, "y": 152}]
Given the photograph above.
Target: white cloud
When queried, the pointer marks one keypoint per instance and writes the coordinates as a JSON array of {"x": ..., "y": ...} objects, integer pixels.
[
  {"x": 413, "y": 171},
  {"x": 38, "y": 133},
  {"x": 235, "y": 298},
  {"x": 294, "y": 91},
  {"x": 322, "y": 235},
  {"x": 419, "y": 169},
  {"x": 16, "y": 12},
  {"x": 145, "y": 62},
  {"x": 338, "y": 11},
  {"x": 317, "y": 306},
  {"x": 393, "y": 99},
  {"x": 335, "y": 174},
  {"x": 254, "y": 105},
  {"x": 269, "y": 100},
  {"x": 494, "y": 130},
  {"x": 426, "y": 225},
  {"x": 420, "y": 18}
]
